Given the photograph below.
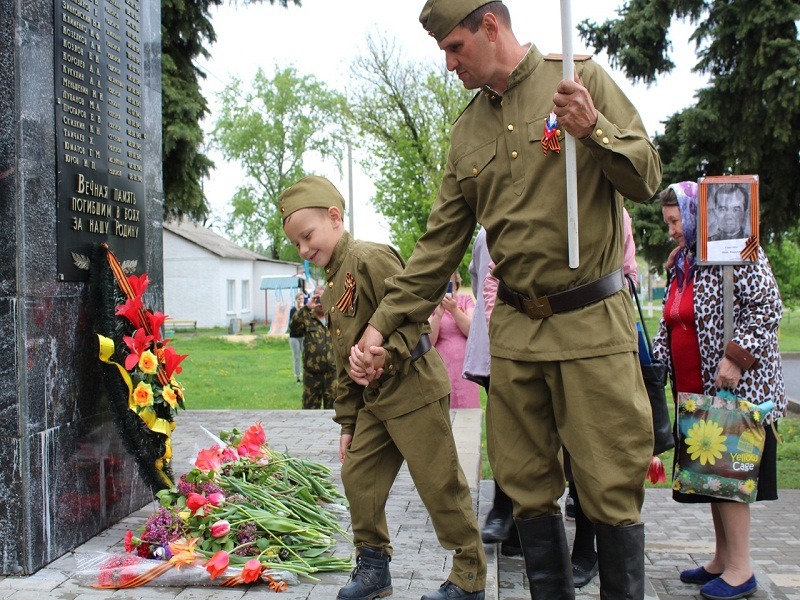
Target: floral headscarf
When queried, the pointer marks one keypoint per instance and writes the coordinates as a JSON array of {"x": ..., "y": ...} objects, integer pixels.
[{"x": 685, "y": 260}]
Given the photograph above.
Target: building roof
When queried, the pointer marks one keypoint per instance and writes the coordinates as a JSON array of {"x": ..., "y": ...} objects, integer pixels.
[{"x": 213, "y": 242}]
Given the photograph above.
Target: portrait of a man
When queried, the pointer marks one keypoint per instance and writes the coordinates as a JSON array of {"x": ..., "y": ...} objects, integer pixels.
[{"x": 729, "y": 205}]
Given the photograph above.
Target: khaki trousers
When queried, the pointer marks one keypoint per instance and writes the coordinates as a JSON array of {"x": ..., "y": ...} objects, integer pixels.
[
  {"x": 424, "y": 439},
  {"x": 597, "y": 407}
]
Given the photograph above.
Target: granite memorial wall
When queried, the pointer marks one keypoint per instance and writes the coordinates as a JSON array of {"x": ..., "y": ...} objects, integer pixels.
[{"x": 80, "y": 163}]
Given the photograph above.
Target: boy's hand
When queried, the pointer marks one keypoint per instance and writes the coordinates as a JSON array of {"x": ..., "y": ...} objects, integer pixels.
[
  {"x": 358, "y": 372},
  {"x": 369, "y": 339},
  {"x": 344, "y": 443}
]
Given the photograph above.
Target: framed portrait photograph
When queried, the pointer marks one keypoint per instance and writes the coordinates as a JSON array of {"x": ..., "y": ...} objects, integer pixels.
[{"x": 727, "y": 223}]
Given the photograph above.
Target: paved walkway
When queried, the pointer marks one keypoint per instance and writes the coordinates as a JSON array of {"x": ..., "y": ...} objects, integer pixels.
[{"x": 677, "y": 535}]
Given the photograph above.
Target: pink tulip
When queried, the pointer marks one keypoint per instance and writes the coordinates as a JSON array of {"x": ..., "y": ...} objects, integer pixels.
[
  {"x": 217, "y": 564},
  {"x": 251, "y": 571},
  {"x": 216, "y": 498},
  {"x": 220, "y": 529},
  {"x": 656, "y": 473}
]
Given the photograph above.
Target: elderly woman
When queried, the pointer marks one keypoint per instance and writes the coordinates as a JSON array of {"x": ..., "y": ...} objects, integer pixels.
[{"x": 690, "y": 340}]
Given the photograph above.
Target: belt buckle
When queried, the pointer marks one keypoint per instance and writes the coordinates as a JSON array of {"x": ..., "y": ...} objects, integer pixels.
[{"x": 537, "y": 308}]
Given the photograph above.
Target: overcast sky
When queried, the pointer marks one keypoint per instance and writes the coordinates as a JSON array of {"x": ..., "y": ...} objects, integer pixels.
[{"x": 323, "y": 37}]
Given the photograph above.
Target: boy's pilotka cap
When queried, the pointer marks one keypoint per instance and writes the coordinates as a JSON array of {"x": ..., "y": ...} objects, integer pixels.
[
  {"x": 440, "y": 17},
  {"x": 310, "y": 192}
]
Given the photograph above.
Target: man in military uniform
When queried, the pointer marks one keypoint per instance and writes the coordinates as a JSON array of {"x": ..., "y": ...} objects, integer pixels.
[
  {"x": 402, "y": 416},
  {"x": 319, "y": 365},
  {"x": 562, "y": 341}
]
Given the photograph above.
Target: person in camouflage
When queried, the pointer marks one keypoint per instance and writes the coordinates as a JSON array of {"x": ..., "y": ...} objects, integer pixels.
[{"x": 319, "y": 365}]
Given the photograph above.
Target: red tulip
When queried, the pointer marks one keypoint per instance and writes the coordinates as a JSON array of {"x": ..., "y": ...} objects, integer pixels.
[
  {"x": 217, "y": 564},
  {"x": 139, "y": 284},
  {"x": 252, "y": 441},
  {"x": 130, "y": 310},
  {"x": 195, "y": 501},
  {"x": 220, "y": 529},
  {"x": 155, "y": 320},
  {"x": 656, "y": 472},
  {"x": 251, "y": 571},
  {"x": 208, "y": 459},
  {"x": 171, "y": 360}
]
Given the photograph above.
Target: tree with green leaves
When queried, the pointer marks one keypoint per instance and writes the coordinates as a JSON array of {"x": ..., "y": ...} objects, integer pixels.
[
  {"x": 403, "y": 112},
  {"x": 270, "y": 128},
  {"x": 747, "y": 121},
  {"x": 186, "y": 33}
]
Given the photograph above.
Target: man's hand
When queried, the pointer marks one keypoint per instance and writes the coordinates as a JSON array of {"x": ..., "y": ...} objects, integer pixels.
[
  {"x": 358, "y": 372},
  {"x": 371, "y": 337},
  {"x": 344, "y": 443},
  {"x": 574, "y": 108}
]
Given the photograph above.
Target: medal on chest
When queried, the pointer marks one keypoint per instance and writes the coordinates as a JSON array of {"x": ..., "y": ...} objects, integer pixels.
[{"x": 550, "y": 135}]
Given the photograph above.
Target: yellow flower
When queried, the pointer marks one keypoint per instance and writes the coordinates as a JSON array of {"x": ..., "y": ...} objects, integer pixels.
[
  {"x": 690, "y": 406},
  {"x": 143, "y": 394},
  {"x": 706, "y": 440},
  {"x": 749, "y": 486},
  {"x": 182, "y": 551},
  {"x": 756, "y": 416},
  {"x": 185, "y": 515},
  {"x": 676, "y": 485},
  {"x": 170, "y": 396},
  {"x": 148, "y": 362}
]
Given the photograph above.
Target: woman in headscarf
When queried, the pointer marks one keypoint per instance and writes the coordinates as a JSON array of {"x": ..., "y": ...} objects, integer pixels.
[{"x": 690, "y": 340}]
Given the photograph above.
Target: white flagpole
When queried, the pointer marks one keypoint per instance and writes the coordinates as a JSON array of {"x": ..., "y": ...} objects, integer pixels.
[{"x": 569, "y": 141}]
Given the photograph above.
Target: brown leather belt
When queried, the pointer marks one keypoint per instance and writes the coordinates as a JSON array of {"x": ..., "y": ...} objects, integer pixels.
[
  {"x": 572, "y": 299},
  {"x": 422, "y": 347},
  {"x": 419, "y": 350}
]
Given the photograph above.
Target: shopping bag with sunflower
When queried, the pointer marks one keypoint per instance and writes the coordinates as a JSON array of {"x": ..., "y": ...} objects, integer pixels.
[{"x": 720, "y": 441}]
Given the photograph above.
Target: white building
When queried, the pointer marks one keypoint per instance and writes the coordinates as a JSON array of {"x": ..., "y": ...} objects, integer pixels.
[{"x": 211, "y": 280}]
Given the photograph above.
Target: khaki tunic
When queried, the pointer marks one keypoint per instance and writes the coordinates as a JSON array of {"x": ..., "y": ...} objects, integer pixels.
[
  {"x": 421, "y": 382},
  {"x": 497, "y": 174}
]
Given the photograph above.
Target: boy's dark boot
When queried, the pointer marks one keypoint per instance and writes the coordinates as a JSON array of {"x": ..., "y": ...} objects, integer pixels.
[
  {"x": 547, "y": 562},
  {"x": 370, "y": 579},
  {"x": 450, "y": 591},
  {"x": 620, "y": 554}
]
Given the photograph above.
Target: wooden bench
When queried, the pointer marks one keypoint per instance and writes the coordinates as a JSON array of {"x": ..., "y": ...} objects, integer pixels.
[{"x": 180, "y": 325}]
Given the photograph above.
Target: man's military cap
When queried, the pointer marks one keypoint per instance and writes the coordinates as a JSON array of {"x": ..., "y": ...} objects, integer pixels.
[
  {"x": 312, "y": 191},
  {"x": 440, "y": 17}
]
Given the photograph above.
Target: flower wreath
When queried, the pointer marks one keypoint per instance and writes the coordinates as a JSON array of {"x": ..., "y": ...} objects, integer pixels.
[{"x": 141, "y": 387}]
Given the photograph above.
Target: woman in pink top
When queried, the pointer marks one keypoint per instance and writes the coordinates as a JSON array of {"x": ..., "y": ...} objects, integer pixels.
[{"x": 449, "y": 329}]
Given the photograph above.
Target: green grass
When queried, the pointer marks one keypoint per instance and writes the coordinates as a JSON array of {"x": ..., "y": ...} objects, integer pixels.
[
  {"x": 223, "y": 375},
  {"x": 219, "y": 374}
]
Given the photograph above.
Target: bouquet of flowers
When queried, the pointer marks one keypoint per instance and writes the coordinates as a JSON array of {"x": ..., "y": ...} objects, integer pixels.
[
  {"x": 245, "y": 512},
  {"x": 144, "y": 382}
]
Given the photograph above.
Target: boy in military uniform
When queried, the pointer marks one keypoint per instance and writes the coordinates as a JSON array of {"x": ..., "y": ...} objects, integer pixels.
[
  {"x": 404, "y": 415},
  {"x": 319, "y": 366}
]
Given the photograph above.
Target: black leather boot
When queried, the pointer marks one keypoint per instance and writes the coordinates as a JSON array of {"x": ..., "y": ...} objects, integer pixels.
[
  {"x": 500, "y": 520},
  {"x": 620, "y": 554},
  {"x": 547, "y": 563},
  {"x": 450, "y": 591},
  {"x": 370, "y": 579}
]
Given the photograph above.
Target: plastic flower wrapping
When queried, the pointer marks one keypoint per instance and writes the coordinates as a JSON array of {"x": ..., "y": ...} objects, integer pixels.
[{"x": 245, "y": 513}]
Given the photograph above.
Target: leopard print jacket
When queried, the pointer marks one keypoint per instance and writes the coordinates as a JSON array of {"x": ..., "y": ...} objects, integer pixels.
[{"x": 757, "y": 314}]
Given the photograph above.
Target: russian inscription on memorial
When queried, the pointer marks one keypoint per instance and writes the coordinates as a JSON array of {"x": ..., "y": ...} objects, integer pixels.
[{"x": 99, "y": 126}]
